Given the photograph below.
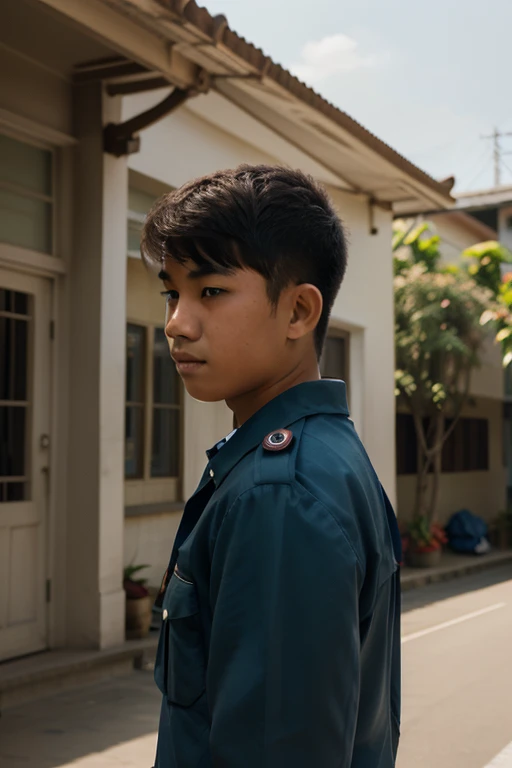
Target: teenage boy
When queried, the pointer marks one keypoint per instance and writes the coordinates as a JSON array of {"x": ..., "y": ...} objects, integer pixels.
[{"x": 280, "y": 642}]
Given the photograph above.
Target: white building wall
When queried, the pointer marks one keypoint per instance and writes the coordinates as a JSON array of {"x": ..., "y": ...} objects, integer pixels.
[
  {"x": 184, "y": 146},
  {"x": 365, "y": 307}
]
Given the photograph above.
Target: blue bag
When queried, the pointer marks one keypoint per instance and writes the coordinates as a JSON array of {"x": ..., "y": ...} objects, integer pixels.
[{"x": 467, "y": 533}]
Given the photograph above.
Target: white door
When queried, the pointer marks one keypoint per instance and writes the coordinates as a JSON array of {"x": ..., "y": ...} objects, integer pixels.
[{"x": 25, "y": 362}]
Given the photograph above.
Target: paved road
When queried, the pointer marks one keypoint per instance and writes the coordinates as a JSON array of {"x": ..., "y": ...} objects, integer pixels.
[
  {"x": 457, "y": 694},
  {"x": 457, "y": 673}
]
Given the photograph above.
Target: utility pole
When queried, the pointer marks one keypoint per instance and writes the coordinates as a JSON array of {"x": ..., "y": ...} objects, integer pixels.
[{"x": 496, "y": 136}]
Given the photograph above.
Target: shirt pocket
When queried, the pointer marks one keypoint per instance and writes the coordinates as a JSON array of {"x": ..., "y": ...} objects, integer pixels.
[{"x": 180, "y": 668}]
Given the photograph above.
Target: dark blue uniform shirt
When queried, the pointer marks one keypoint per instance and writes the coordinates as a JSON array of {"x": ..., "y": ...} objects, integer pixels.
[{"x": 280, "y": 642}]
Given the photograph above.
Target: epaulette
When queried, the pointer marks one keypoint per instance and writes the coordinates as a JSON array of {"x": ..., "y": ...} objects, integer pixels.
[{"x": 277, "y": 454}]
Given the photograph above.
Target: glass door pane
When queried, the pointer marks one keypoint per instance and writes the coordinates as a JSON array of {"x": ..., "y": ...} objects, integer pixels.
[{"x": 15, "y": 323}]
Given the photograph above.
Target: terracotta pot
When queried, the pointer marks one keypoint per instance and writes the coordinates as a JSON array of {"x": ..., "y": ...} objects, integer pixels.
[
  {"x": 423, "y": 559},
  {"x": 138, "y": 617}
]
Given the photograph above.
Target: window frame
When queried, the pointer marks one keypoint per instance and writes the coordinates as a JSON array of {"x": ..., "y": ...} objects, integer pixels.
[
  {"x": 146, "y": 185},
  {"x": 52, "y": 199},
  {"x": 334, "y": 332},
  {"x": 138, "y": 219},
  {"x": 147, "y": 490}
]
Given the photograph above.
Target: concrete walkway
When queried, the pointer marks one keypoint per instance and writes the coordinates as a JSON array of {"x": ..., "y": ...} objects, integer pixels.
[{"x": 104, "y": 725}]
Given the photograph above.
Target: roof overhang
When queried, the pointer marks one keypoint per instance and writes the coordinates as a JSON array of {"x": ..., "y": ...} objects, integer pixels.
[
  {"x": 498, "y": 197},
  {"x": 177, "y": 42}
]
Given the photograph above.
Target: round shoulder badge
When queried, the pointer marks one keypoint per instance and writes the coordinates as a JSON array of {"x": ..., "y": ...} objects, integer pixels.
[{"x": 278, "y": 440}]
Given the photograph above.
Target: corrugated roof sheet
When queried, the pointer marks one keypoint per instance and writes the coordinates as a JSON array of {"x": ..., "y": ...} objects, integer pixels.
[{"x": 218, "y": 31}]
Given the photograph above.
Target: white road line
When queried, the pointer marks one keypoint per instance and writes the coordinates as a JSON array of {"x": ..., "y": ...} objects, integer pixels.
[
  {"x": 451, "y": 623},
  {"x": 503, "y": 760}
]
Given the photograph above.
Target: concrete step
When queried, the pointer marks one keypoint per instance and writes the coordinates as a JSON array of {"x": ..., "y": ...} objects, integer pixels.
[
  {"x": 452, "y": 566},
  {"x": 44, "y": 674}
]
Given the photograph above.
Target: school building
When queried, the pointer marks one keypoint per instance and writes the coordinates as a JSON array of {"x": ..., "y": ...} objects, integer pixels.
[{"x": 105, "y": 105}]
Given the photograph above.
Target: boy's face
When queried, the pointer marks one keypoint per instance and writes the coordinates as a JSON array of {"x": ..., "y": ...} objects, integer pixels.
[{"x": 225, "y": 337}]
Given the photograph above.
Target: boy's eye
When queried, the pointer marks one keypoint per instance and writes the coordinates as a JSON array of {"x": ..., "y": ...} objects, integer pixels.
[
  {"x": 211, "y": 293},
  {"x": 170, "y": 295}
]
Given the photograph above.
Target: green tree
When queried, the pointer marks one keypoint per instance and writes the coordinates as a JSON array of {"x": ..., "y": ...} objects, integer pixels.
[
  {"x": 487, "y": 259},
  {"x": 444, "y": 313},
  {"x": 438, "y": 337},
  {"x": 410, "y": 246},
  {"x": 486, "y": 268}
]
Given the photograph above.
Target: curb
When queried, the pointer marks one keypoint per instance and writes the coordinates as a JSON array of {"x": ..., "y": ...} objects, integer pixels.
[{"x": 454, "y": 571}]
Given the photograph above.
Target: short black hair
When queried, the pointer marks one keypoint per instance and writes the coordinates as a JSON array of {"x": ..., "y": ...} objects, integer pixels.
[{"x": 276, "y": 221}]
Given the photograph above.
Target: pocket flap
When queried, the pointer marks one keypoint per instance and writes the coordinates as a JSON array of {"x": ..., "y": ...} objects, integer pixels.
[{"x": 181, "y": 598}]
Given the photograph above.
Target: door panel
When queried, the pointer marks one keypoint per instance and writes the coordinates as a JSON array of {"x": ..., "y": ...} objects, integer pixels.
[{"x": 24, "y": 416}]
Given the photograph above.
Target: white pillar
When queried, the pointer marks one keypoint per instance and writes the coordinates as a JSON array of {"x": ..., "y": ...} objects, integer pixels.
[
  {"x": 95, "y": 519},
  {"x": 505, "y": 227}
]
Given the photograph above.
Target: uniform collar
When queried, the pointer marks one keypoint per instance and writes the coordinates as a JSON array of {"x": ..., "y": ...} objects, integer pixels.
[{"x": 312, "y": 397}]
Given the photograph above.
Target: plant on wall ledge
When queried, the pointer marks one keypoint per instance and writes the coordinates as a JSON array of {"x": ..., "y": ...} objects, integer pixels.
[
  {"x": 138, "y": 602},
  {"x": 134, "y": 588}
]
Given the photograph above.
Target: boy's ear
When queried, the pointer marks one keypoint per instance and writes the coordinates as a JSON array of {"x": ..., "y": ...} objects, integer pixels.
[{"x": 307, "y": 305}]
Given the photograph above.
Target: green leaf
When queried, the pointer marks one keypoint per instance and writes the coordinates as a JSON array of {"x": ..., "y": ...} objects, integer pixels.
[
  {"x": 415, "y": 233},
  {"x": 503, "y": 334},
  {"x": 486, "y": 317},
  {"x": 131, "y": 570}
]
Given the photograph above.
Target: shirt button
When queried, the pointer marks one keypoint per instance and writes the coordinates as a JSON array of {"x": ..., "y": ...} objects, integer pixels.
[
  {"x": 165, "y": 615},
  {"x": 212, "y": 473}
]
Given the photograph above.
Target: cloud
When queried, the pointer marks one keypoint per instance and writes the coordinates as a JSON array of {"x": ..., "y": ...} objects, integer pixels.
[{"x": 332, "y": 55}]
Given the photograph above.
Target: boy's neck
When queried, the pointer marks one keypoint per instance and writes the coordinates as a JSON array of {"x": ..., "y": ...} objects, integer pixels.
[{"x": 247, "y": 405}]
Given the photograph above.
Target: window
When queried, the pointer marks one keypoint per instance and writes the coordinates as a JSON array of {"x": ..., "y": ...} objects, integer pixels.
[
  {"x": 406, "y": 445},
  {"x": 135, "y": 401},
  {"x": 334, "y": 363},
  {"x": 139, "y": 203},
  {"x": 153, "y": 417},
  {"x": 26, "y": 195},
  {"x": 466, "y": 450},
  {"x": 166, "y": 411}
]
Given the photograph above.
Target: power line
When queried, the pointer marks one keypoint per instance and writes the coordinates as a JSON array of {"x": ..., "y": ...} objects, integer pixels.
[
  {"x": 506, "y": 166},
  {"x": 497, "y": 152},
  {"x": 477, "y": 175},
  {"x": 476, "y": 169}
]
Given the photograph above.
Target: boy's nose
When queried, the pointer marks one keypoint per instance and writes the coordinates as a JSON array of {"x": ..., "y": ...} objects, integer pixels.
[{"x": 181, "y": 322}]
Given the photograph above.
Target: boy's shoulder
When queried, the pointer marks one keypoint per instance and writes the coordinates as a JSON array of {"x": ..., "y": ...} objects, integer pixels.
[
  {"x": 317, "y": 460},
  {"x": 326, "y": 458},
  {"x": 320, "y": 452}
]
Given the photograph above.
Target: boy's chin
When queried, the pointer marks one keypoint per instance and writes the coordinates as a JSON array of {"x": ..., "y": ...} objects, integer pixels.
[{"x": 204, "y": 394}]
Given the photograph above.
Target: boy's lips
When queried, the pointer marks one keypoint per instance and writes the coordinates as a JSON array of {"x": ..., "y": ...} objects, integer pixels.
[{"x": 187, "y": 363}]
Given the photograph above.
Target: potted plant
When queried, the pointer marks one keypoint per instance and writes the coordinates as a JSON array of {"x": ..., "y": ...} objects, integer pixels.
[
  {"x": 139, "y": 603},
  {"x": 424, "y": 543}
]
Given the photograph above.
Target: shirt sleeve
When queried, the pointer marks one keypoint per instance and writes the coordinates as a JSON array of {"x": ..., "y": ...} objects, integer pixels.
[{"x": 284, "y": 663}]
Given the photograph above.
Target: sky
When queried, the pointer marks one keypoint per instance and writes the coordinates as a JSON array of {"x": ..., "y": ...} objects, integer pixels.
[{"x": 429, "y": 78}]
